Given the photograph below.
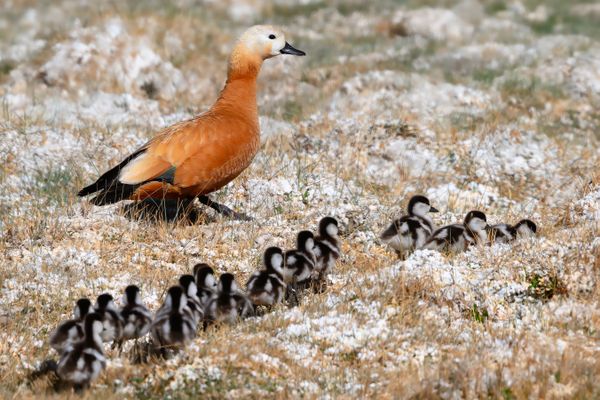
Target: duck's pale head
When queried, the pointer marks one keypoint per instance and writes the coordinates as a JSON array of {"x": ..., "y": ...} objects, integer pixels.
[{"x": 266, "y": 41}]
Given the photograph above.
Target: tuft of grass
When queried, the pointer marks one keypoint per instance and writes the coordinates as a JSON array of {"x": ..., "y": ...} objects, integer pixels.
[
  {"x": 5, "y": 67},
  {"x": 479, "y": 315},
  {"x": 292, "y": 110},
  {"x": 54, "y": 186},
  {"x": 545, "y": 287}
]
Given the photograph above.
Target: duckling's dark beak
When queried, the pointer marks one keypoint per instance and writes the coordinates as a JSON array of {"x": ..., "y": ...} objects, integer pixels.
[
  {"x": 433, "y": 209},
  {"x": 288, "y": 49}
]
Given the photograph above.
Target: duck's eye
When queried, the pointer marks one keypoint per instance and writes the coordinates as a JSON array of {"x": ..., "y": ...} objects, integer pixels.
[{"x": 271, "y": 36}]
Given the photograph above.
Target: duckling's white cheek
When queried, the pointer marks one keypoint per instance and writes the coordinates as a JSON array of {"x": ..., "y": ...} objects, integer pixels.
[
  {"x": 209, "y": 281},
  {"x": 276, "y": 260},
  {"x": 332, "y": 230}
]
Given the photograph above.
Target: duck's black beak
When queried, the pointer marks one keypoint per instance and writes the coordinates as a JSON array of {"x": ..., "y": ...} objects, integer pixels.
[
  {"x": 433, "y": 209},
  {"x": 288, "y": 49}
]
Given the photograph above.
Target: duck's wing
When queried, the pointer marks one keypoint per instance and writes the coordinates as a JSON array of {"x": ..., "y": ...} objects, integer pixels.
[{"x": 143, "y": 165}]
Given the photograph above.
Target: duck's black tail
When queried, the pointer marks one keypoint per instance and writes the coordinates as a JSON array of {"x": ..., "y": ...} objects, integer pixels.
[{"x": 111, "y": 190}]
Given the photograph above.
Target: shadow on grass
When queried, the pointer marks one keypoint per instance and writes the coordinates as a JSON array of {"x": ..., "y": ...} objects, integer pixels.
[{"x": 158, "y": 210}]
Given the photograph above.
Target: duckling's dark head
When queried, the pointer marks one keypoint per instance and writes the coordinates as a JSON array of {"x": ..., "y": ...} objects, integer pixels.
[
  {"x": 419, "y": 205},
  {"x": 131, "y": 294},
  {"x": 273, "y": 259},
  {"x": 174, "y": 297},
  {"x": 476, "y": 220},
  {"x": 305, "y": 240},
  {"x": 187, "y": 282},
  {"x": 104, "y": 301},
  {"x": 204, "y": 276},
  {"x": 526, "y": 227},
  {"x": 93, "y": 324},
  {"x": 202, "y": 268},
  {"x": 328, "y": 227},
  {"x": 227, "y": 283},
  {"x": 82, "y": 308}
]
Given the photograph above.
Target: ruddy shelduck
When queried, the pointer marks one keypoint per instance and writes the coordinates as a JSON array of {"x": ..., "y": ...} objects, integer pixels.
[{"x": 199, "y": 156}]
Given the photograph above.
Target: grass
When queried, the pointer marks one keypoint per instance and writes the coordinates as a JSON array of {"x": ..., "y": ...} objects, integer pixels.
[{"x": 381, "y": 330}]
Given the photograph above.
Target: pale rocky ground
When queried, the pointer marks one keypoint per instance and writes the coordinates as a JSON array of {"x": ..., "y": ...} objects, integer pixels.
[{"x": 489, "y": 105}]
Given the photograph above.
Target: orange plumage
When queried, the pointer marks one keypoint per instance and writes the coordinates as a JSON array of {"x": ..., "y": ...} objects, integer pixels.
[{"x": 196, "y": 157}]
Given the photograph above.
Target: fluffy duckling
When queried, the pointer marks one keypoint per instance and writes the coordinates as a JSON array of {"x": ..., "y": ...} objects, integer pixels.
[
  {"x": 71, "y": 331},
  {"x": 458, "y": 237},
  {"x": 300, "y": 262},
  {"x": 175, "y": 328},
  {"x": 412, "y": 230},
  {"x": 505, "y": 233},
  {"x": 206, "y": 282},
  {"x": 188, "y": 284},
  {"x": 82, "y": 362},
  {"x": 113, "y": 323},
  {"x": 326, "y": 247},
  {"x": 137, "y": 319},
  {"x": 199, "y": 156},
  {"x": 230, "y": 304},
  {"x": 266, "y": 287}
]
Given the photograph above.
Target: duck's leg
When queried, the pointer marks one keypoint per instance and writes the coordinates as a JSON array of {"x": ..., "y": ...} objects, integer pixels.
[
  {"x": 223, "y": 209},
  {"x": 291, "y": 295}
]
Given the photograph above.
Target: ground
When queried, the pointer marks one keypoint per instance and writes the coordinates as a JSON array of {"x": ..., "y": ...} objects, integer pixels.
[{"x": 488, "y": 105}]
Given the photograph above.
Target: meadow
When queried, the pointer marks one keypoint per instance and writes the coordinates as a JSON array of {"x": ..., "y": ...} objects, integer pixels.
[{"x": 490, "y": 105}]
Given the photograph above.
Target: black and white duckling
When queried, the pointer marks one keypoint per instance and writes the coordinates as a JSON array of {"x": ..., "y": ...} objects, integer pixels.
[
  {"x": 505, "y": 233},
  {"x": 412, "y": 230},
  {"x": 82, "y": 362},
  {"x": 266, "y": 287},
  {"x": 111, "y": 318},
  {"x": 326, "y": 248},
  {"x": 137, "y": 319},
  {"x": 188, "y": 284},
  {"x": 299, "y": 263},
  {"x": 230, "y": 304},
  {"x": 458, "y": 237},
  {"x": 71, "y": 331},
  {"x": 206, "y": 283},
  {"x": 174, "y": 329}
]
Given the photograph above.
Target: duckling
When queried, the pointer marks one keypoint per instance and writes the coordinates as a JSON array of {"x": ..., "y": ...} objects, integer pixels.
[
  {"x": 412, "y": 230},
  {"x": 458, "y": 237},
  {"x": 230, "y": 304},
  {"x": 266, "y": 287},
  {"x": 199, "y": 156},
  {"x": 326, "y": 248},
  {"x": 137, "y": 319},
  {"x": 82, "y": 362},
  {"x": 300, "y": 262},
  {"x": 113, "y": 323},
  {"x": 504, "y": 233},
  {"x": 71, "y": 331},
  {"x": 188, "y": 284},
  {"x": 206, "y": 282},
  {"x": 175, "y": 328}
]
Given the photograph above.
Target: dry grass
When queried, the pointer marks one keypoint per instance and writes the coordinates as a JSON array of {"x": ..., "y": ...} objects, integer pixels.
[{"x": 345, "y": 139}]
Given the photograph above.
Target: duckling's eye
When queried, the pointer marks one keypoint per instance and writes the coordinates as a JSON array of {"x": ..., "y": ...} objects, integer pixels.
[{"x": 271, "y": 36}]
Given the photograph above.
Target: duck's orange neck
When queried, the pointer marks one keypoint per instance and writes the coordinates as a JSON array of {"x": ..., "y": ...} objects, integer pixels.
[{"x": 239, "y": 94}]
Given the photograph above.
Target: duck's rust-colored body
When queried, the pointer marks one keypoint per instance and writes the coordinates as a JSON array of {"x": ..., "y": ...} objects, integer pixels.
[{"x": 196, "y": 157}]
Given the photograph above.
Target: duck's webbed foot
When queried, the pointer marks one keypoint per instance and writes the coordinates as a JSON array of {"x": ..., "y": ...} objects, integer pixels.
[{"x": 223, "y": 209}]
